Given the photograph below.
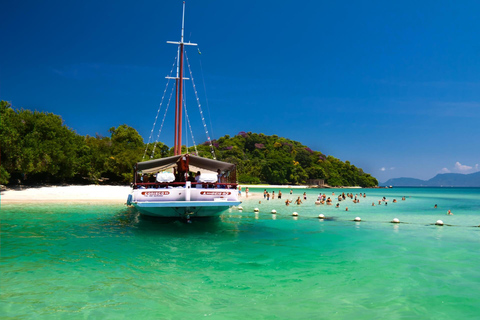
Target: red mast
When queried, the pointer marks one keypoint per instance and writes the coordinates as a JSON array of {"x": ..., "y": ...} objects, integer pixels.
[
  {"x": 177, "y": 146},
  {"x": 180, "y": 100}
]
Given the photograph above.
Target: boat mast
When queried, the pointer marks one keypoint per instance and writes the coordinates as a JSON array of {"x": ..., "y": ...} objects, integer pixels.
[{"x": 177, "y": 146}]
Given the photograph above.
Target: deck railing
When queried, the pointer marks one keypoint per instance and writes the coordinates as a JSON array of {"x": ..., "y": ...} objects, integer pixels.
[{"x": 158, "y": 185}]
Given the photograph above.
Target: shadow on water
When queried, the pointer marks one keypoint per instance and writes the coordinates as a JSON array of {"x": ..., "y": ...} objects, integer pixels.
[{"x": 130, "y": 219}]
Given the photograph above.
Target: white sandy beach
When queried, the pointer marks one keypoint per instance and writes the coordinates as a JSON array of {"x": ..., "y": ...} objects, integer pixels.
[
  {"x": 67, "y": 193},
  {"x": 97, "y": 193},
  {"x": 86, "y": 193}
]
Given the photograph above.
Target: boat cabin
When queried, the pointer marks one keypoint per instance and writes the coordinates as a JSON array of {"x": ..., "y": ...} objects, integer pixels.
[{"x": 176, "y": 171}]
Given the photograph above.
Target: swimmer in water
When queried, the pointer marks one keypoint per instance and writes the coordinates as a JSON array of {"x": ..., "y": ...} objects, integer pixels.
[
  {"x": 346, "y": 209},
  {"x": 435, "y": 206},
  {"x": 450, "y": 213},
  {"x": 338, "y": 205},
  {"x": 298, "y": 201},
  {"x": 373, "y": 204},
  {"x": 287, "y": 202}
]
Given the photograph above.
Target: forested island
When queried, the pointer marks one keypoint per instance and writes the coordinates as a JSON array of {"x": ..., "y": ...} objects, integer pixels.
[{"x": 36, "y": 147}]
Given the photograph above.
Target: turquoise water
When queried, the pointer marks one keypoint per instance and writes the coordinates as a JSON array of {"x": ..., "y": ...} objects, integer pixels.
[{"x": 105, "y": 261}]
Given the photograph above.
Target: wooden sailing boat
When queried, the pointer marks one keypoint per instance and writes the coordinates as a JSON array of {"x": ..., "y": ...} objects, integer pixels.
[{"x": 171, "y": 193}]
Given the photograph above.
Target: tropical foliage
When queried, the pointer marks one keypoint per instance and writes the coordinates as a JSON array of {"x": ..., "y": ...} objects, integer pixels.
[
  {"x": 272, "y": 159},
  {"x": 36, "y": 147}
]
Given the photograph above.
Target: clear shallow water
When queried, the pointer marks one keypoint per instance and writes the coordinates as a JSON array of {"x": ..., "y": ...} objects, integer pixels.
[{"x": 104, "y": 261}]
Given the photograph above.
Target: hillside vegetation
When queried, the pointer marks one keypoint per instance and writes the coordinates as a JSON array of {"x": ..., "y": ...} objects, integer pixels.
[{"x": 36, "y": 147}]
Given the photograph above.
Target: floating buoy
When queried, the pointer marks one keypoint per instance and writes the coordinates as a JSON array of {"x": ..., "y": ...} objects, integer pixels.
[
  {"x": 256, "y": 210},
  {"x": 273, "y": 211},
  {"x": 357, "y": 219},
  {"x": 317, "y": 202},
  {"x": 439, "y": 223},
  {"x": 240, "y": 208},
  {"x": 295, "y": 214},
  {"x": 395, "y": 220},
  {"x": 321, "y": 216}
]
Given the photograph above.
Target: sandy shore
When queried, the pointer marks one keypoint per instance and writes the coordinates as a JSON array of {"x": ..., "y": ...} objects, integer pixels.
[
  {"x": 114, "y": 194},
  {"x": 117, "y": 194},
  {"x": 271, "y": 186}
]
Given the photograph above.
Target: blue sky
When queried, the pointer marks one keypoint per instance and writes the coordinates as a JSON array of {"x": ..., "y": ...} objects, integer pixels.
[{"x": 393, "y": 87}]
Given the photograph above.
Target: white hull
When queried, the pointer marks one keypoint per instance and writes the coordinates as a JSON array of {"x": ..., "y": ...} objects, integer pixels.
[
  {"x": 185, "y": 201},
  {"x": 183, "y": 209}
]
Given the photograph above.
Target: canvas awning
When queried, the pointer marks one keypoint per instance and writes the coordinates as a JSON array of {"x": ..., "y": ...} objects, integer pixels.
[{"x": 195, "y": 163}]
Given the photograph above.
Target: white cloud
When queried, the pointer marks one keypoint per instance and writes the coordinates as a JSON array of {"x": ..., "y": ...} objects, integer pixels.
[
  {"x": 461, "y": 167},
  {"x": 382, "y": 169},
  {"x": 392, "y": 168}
]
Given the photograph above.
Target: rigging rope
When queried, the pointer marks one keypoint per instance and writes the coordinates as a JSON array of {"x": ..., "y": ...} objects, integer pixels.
[
  {"x": 191, "y": 132},
  {"x": 200, "y": 108},
  {"x": 206, "y": 98},
  {"x": 161, "y": 126},
  {"x": 160, "y": 106}
]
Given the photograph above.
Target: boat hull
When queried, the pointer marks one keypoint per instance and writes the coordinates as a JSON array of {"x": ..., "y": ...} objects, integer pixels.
[{"x": 183, "y": 209}]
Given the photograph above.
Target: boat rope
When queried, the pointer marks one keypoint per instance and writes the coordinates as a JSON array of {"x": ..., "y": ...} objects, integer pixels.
[
  {"x": 200, "y": 108},
  {"x": 189, "y": 126},
  {"x": 163, "y": 121},
  {"x": 160, "y": 106},
  {"x": 206, "y": 98}
]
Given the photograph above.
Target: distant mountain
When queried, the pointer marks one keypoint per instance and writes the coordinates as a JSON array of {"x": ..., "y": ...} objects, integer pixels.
[
  {"x": 440, "y": 180},
  {"x": 404, "y": 182}
]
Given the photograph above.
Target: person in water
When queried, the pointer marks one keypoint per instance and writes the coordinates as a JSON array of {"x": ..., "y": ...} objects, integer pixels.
[
  {"x": 287, "y": 202},
  {"x": 298, "y": 201},
  {"x": 450, "y": 213},
  {"x": 435, "y": 206},
  {"x": 338, "y": 205},
  {"x": 279, "y": 194}
]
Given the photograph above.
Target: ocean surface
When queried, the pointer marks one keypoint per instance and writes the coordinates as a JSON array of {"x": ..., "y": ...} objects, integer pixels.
[{"x": 77, "y": 261}]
